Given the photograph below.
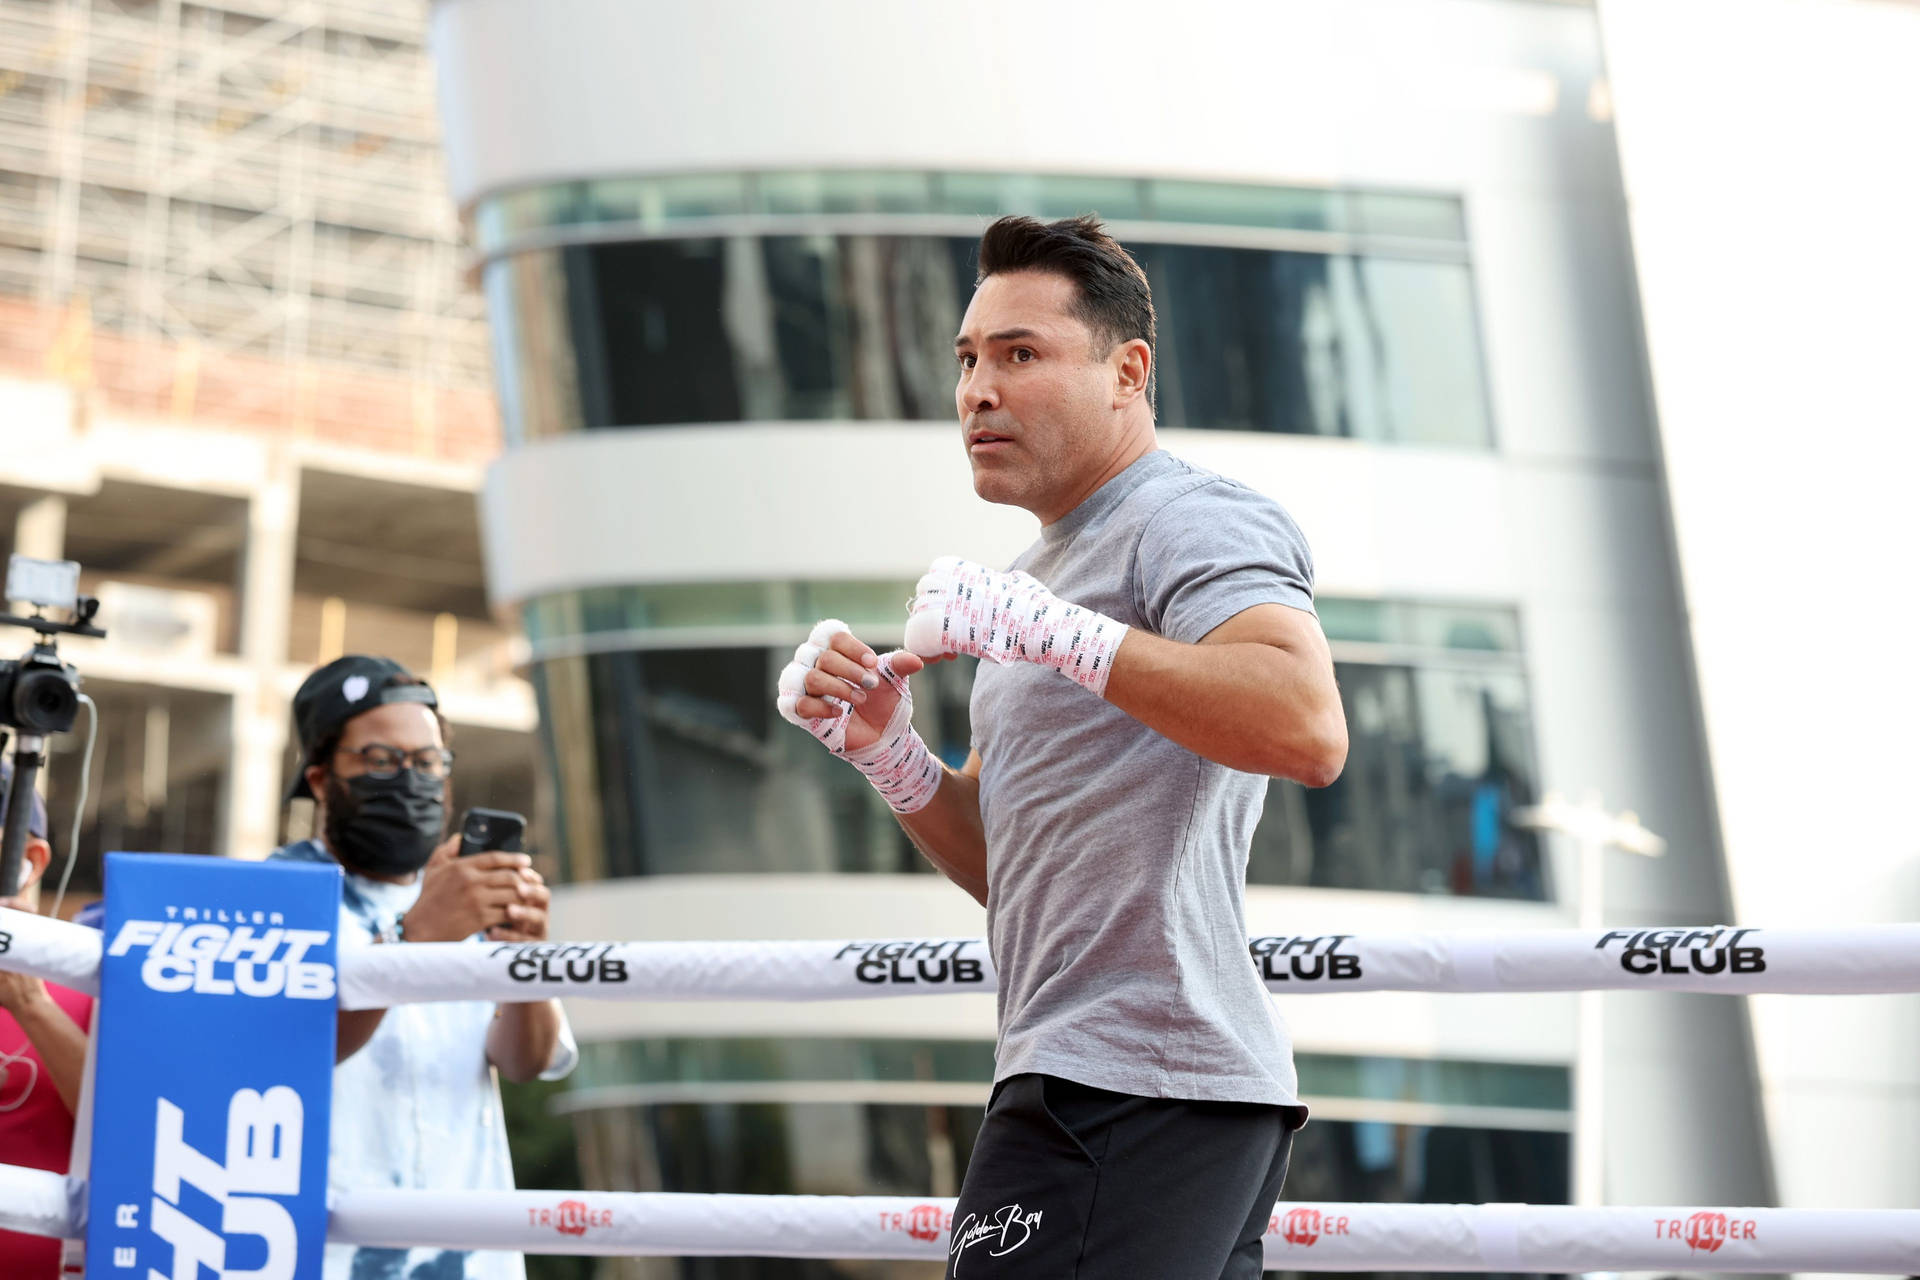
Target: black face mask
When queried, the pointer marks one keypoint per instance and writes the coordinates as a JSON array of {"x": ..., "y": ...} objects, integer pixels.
[{"x": 385, "y": 826}]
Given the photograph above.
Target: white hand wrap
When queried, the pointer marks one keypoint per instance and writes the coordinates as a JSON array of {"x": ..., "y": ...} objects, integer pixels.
[
  {"x": 963, "y": 607},
  {"x": 898, "y": 763}
]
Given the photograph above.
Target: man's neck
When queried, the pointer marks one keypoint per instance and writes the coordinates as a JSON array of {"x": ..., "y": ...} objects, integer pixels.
[
  {"x": 408, "y": 878},
  {"x": 1128, "y": 450}
]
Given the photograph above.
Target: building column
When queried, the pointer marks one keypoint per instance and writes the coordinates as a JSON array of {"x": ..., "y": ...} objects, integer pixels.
[
  {"x": 261, "y": 713},
  {"x": 40, "y": 530}
]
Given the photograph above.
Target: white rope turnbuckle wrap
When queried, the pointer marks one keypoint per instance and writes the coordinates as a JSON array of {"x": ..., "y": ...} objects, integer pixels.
[
  {"x": 1864, "y": 960},
  {"x": 1300, "y": 1237}
]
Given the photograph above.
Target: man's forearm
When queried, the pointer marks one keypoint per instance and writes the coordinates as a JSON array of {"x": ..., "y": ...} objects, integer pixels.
[
  {"x": 61, "y": 1044},
  {"x": 352, "y": 1029},
  {"x": 1254, "y": 707},
  {"x": 949, "y": 832},
  {"x": 522, "y": 1038}
]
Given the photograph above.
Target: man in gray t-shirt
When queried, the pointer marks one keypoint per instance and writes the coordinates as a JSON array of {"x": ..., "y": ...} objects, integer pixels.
[{"x": 1144, "y": 1089}]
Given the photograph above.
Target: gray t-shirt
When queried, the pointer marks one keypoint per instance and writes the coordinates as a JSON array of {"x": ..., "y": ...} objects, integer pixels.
[{"x": 1117, "y": 859}]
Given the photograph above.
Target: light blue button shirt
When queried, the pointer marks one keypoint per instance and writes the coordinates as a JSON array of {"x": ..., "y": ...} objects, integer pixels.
[{"x": 418, "y": 1105}]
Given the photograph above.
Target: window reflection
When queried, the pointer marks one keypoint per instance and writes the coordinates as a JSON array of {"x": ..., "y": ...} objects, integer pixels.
[
  {"x": 1369, "y": 1160},
  {"x": 1437, "y": 759},
  {"x": 844, "y": 327},
  {"x": 673, "y": 762},
  {"x": 1316, "y": 344}
]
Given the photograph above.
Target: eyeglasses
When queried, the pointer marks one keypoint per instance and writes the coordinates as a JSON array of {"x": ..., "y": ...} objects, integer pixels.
[{"x": 382, "y": 761}]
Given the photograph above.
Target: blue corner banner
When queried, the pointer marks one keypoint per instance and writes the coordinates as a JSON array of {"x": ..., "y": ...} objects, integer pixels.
[{"x": 214, "y": 1069}]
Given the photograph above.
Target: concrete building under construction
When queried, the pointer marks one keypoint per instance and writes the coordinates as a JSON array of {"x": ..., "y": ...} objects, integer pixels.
[{"x": 243, "y": 382}]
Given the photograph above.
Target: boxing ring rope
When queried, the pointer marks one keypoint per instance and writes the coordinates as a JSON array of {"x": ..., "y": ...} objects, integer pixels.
[
  {"x": 1300, "y": 1237},
  {"x": 1876, "y": 959},
  {"x": 51, "y": 950},
  {"x": 1879, "y": 959}
]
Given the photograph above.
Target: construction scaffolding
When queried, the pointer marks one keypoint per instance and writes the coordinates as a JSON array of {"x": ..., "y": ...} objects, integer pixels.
[{"x": 234, "y": 211}]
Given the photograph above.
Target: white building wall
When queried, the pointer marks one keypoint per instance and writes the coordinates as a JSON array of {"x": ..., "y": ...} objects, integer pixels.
[
  {"x": 1768, "y": 150},
  {"x": 1499, "y": 101}
]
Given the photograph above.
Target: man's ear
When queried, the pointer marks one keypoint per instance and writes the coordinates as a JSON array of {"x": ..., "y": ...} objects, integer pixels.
[
  {"x": 37, "y": 856},
  {"x": 316, "y": 776},
  {"x": 1133, "y": 369}
]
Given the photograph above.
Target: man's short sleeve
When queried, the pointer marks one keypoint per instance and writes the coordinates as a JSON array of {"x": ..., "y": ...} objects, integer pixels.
[
  {"x": 1216, "y": 551},
  {"x": 354, "y": 932},
  {"x": 566, "y": 1053}
]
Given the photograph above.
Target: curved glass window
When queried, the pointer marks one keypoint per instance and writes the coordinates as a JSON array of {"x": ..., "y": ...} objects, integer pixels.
[
  {"x": 774, "y": 327},
  {"x": 666, "y": 202},
  {"x": 671, "y": 759}
]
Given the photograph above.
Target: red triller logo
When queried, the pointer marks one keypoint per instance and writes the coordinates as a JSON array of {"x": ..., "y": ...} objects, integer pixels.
[
  {"x": 1705, "y": 1232},
  {"x": 1304, "y": 1227},
  {"x": 926, "y": 1222},
  {"x": 570, "y": 1217}
]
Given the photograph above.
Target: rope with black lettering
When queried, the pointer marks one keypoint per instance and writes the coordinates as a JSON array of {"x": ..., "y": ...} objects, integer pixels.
[{"x": 1881, "y": 959}]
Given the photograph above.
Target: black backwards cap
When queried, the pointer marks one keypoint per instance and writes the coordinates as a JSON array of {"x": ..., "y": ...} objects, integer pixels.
[{"x": 338, "y": 692}]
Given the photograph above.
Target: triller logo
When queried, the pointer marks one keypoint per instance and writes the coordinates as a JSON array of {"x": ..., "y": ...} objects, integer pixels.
[
  {"x": 1304, "y": 1227},
  {"x": 570, "y": 1217},
  {"x": 925, "y": 1222},
  {"x": 1705, "y": 1232}
]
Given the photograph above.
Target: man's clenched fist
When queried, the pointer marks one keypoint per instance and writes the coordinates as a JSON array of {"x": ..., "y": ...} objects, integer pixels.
[{"x": 859, "y": 707}]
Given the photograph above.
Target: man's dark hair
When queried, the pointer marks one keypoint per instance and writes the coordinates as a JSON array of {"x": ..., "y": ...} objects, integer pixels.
[
  {"x": 323, "y": 750},
  {"x": 1113, "y": 300}
]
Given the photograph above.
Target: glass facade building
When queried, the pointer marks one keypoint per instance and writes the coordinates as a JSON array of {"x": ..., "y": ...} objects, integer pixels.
[
  {"x": 679, "y": 300},
  {"x": 1388, "y": 240},
  {"x": 805, "y": 297}
]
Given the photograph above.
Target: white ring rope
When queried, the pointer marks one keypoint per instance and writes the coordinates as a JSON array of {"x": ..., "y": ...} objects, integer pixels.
[
  {"x": 37, "y": 1203},
  {"x": 1323, "y": 1237},
  {"x": 1300, "y": 1237},
  {"x": 51, "y": 950},
  {"x": 1861, "y": 960}
]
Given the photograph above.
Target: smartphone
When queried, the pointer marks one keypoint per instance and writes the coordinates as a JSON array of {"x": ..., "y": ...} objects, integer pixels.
[{"x": 490, "y": 831}]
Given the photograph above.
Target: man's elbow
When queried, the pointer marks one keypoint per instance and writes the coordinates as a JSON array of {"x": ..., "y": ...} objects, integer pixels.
[
  {"x": 518, "y": 1072},
  {"x": 1316, "y": 758},
  {"x": 1325, "y": 768},
  {"x": 517, "y": 1063}
]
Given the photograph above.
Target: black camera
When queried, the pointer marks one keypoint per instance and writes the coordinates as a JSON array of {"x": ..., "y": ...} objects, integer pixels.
[{"x": 39, "y": 694}]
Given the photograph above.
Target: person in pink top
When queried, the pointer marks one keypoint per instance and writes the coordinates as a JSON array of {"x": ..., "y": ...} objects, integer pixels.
[{"x": 43, "y": 1045}]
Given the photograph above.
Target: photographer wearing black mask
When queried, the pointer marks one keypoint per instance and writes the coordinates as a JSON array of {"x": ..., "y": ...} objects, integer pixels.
[{"x": 414, "y": 1099}]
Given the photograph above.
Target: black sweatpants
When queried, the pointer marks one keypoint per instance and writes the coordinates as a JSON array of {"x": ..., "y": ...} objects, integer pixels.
[{"x": 1069, "y": 1182}]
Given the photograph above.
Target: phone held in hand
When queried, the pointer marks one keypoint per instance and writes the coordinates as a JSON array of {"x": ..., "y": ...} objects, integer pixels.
[{"x": 490, "y": 831}]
